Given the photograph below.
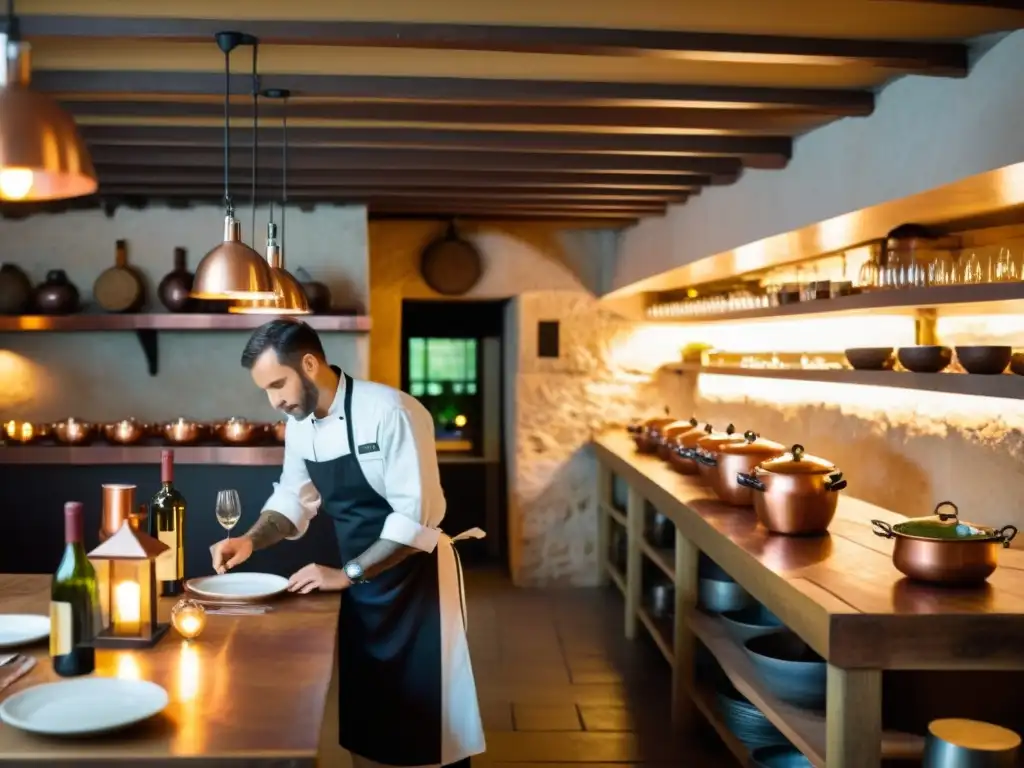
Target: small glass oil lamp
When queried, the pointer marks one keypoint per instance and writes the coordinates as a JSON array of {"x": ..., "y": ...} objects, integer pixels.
[{"x": 189, "y": 618}]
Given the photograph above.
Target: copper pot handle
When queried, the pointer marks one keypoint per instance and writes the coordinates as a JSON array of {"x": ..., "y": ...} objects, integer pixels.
[
  {"x": 705, "y": 458},
  {"x": 882, "y": 528},
  {"x": 946, "y": 516},
  {"x": 686, "y": 453},
  {"x": 1007, "y": 534},
  {"x": 749, "y": 481},
  {"x": 835, "y": 482}
]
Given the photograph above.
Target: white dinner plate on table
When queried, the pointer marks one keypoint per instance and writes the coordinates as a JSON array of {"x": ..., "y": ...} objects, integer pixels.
[
  {"x": 18, "y": 629},
  {"x": 84, "y": 707},
  {"x": 238, "y": 586}
]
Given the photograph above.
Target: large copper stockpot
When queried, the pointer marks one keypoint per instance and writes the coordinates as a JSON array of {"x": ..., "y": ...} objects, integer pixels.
[
  {"x": 680, "y": 455},
  {"x": 124, "y": 432},
  {"x": 795, "y": 494},
  {"x": 642, "y": 433},
  {"x": 181, "y": 431},
  {"x": 666, "y": 436},
  {"x": 708, "y": 446},
  {"x": 733, "y": 459},
  {"x": 944, "y": 550},
  {"x": 73, "y": 431}
]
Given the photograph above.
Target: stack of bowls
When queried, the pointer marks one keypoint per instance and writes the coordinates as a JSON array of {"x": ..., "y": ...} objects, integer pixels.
[
  {"x": 779, "y": 756},
  {"x": 746, "y": 721},
  {"x": 749, "y": 622},
  {"x": 789, "y": 668}
]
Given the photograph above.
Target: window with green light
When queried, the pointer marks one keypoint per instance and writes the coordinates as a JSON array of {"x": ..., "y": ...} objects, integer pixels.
[{"x": 442, "y": 366}]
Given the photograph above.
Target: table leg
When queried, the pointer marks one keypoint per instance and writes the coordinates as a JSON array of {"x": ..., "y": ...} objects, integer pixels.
[
  {"x": 853, "y": 718},
  {"x": 683, "y": 639},
  {"x": 634, "y": 571},
  {"x": 604, "y": 521}
]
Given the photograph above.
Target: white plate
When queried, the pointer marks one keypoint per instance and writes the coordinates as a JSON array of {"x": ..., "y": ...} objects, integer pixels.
[
  {"x": 238, "y": 586},
  {"x": 86, "y": 706},
  {"x": 21, "y": 629}
]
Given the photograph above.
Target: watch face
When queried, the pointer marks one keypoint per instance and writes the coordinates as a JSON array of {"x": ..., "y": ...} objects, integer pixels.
[{"x": 354, "y": 571}]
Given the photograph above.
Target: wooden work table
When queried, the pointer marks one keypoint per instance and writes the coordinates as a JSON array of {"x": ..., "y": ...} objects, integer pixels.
[
  {"x": 839, "y": 592},
  {"x": 250, "y": 691}
]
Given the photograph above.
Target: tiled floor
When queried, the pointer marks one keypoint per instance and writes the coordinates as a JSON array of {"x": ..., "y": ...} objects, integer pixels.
[{"x": 558, "y": 683}]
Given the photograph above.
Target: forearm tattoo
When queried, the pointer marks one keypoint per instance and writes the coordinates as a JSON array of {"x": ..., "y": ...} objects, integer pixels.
[
  {"x": 381, "y": 555},
  {"x": 271, "y": 528}
]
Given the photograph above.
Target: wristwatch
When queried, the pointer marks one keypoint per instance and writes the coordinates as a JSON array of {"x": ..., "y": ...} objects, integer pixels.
[{"x": 354, "y": 571}]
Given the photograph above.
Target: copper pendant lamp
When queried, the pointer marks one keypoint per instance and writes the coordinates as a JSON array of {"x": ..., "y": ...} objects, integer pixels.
[
  {"x": 42, "y": 155},
  {"x": 291, "y": 298},
  {"x": 232, "y": 270}
]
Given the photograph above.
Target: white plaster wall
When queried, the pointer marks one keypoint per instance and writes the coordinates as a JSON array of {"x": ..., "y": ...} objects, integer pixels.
[
  {"x": 925, "y": 132},
  {"x": 103, "y": 376}
]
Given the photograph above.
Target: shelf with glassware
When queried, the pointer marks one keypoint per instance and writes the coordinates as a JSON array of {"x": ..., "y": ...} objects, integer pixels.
[
  {"x": 838, "y": 597},
  {"x": 951, "y": 278}
]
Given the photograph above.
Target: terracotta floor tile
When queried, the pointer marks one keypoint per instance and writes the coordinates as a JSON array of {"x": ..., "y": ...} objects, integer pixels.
[
  {"x": 550, "y": 717},
  {"x": 496, "y": 715}
]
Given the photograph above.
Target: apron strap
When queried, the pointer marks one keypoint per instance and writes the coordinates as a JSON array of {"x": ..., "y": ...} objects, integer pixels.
[
  {"x": 472, "y": 533},
  {"x": 349, "y": 386}
]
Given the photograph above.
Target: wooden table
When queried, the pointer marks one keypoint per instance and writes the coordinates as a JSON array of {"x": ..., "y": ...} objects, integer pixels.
[
  {"x": 839, "y": 592},
  {"x": 250, "y": 691}
]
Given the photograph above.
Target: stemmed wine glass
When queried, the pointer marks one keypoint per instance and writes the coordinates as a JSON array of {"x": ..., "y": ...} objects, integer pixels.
[{"x": 229, "y": 510}]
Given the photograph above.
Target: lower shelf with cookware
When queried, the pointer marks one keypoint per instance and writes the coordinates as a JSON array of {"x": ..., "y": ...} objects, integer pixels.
[{"x": 834, "y": 601}]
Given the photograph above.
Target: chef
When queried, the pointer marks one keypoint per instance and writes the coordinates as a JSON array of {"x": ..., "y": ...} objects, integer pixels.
[{"x": 364, "y": 455}]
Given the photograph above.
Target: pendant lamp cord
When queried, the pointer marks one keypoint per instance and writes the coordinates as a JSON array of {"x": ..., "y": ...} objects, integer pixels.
[
  {"x": 227, "y": 134},
  {"x": 255, "y": 131},
  {"x": 12, "y": 23},
  {"x": 284, "y": 170}
]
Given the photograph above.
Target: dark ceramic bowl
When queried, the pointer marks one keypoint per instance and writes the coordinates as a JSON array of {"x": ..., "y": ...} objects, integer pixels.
[
  {"x": 1017, "y": 363},
  {"x": 871, "y": 358},
  {"x": 721, "y": 596},
  {"x": 789, "y": 668},
  {"x": 750, "y": 622},
  {"x": 925, "y": 359},
  {"x": 988, "y": 361}
]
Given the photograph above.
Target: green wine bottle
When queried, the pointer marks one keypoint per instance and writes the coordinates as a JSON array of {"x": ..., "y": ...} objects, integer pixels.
[
  {"x": 74, "y": 602},
  {"x": 167, "y": 523}
]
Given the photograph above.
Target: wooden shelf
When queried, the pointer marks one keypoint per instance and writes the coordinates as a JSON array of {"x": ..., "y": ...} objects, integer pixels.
[
  {"x": 663, "y": 558},
  {"x": 1007, "y": 385},
  {"x": 168, "y": 321},
  {"x": 617, "y": 578},
  {"x": 704, "y": 700},
  {"x": 991, "y": 298},
  {"x": 146, "y": 454},
  {"x": 661, "y": 635},
  {"x": 147, "y": 325},
  {"x": 805, "y": 729}
]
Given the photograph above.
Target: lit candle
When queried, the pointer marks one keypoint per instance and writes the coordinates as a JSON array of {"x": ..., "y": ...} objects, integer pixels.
[
  {"x": 189, "y": 618},
  {"x": 127, "y": 612}
]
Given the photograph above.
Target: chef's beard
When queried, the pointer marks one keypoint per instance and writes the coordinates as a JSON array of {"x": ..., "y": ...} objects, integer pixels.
[{"x": 310, "y": 395}]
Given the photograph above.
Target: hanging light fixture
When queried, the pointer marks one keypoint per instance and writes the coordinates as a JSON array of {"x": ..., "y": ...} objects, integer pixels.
[
  {"x": 232, "y": 270},
  {"x": 290, "y": 298},
  {"x": 42, "y": 155}
]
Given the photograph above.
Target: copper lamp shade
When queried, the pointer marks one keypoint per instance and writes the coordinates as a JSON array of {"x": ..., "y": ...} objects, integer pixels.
[
  {"x": 42, "y": 156},
  {"x": 290, "y": 299},
  {"x": 233, "y": 270}
]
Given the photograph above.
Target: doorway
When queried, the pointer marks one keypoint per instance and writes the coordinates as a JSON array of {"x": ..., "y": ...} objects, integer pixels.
[{"x": 453, "y": 362}]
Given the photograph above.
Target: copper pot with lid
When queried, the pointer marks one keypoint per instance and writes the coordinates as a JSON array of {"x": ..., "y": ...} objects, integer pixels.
[
  {"x": 124, "y": 432},
  {"x": 795, "y": 493},
  {"x": 182, "y": 431},
  {"x": 73, "y": 431},
  {"x": 942, "y": 549},
  {"x": 642, "y": 433},
  {"x": 731, "y": 459},
  {"x": 681, "y": 452},
  {"x": 238, "y": 431},
  {"x": 666, "y": 436},
  {"x": 709, "y": 446}
]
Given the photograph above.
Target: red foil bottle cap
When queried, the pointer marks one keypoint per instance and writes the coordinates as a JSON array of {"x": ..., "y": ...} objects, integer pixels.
[
  {"x": 73, "y": 524},
  {"x": 167, "y": 466}
]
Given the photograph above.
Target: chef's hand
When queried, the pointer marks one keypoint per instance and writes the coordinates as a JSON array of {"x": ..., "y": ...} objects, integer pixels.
[
  {"x": 230, "y": 552},
  {"x": 314, "y": 576}
]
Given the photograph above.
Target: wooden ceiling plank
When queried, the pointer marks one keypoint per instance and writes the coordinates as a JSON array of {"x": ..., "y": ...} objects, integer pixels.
[
  {"x": 460, "y": 90},
  {"x": 758, "y": 151},
  {"x": 409, "y": 159},
  {"x": 907, "y": 56},
  {"x": 549, "y": 117}
]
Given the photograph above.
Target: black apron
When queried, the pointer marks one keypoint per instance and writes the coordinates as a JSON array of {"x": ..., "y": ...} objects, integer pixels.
[{"x": 389, "y": 628}]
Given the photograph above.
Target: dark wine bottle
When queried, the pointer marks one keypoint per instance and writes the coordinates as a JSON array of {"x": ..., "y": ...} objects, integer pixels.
[
  {"x": 167, "y": 523},
  {"x": 74, "y": 602}
]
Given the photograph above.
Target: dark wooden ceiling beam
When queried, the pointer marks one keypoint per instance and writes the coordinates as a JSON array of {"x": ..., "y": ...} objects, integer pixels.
[
  {"x": 909, "y": 56},
  {"x": 726, "y": 122},
  {"x": 409, "y": 159},
  {"x": 490, "y": 180},
  {"x": 756, "y": 151},
  {"x": 460, "y": 90}
]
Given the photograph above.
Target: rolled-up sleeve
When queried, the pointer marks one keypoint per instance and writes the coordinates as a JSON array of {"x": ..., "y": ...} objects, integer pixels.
[
  {"x": 412, "y": 481},
  {"x": 294, "y": 494}
]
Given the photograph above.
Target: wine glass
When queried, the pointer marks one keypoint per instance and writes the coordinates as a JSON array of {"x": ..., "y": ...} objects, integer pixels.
[{"x": 229, "y": 509}]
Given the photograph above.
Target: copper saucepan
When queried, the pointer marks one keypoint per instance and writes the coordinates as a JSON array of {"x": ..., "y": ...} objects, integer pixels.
[
  {"x": 73, "y": 431},
  {"x": 124, "y": 432},
  {"x": 942, "y": 549},
  {"x": 681, "y": 453},
  {"x": 795, "y": 494},
  {"x": 666, "y": 436},
  {"x": 181, "y": 431},
  {"x": 708, "y": 446},
  {"x": 641, "y": 433},
  {"x": 237, "y": 431},
  {"x": 732, "y": 459}
]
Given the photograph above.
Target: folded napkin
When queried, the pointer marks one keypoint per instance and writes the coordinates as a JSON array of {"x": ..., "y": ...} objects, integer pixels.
[{"x": 13, "y": 672}]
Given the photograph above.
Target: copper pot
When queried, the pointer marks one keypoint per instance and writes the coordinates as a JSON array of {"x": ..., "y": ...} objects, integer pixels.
[
  {"x": 73, "y": 432},
  {"x": 733, "y": 459},
  {"x": 708, "y": 446},
  {"x": 642, "y": 433},
  {"x": 124, "y": 432},
  {"x": 118, "y": 506},
  {"x": 181, "y": 431},
  {"x": 795, "y": 494},
  {"x": 23, "y": 432},
  {"x": 681, "y": 455},
  {"x": 944, "y": 550},
  {"x": 276, "y": 430},
  {"x": 667, "y": 437},
  {"x": 236, "y": 431}
]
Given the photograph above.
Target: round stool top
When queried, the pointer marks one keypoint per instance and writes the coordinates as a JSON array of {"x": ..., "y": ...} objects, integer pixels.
[{"x": 974, "y": 734}]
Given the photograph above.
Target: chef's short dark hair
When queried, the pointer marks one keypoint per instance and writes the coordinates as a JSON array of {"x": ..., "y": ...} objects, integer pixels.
[{"x": 290, "y": 339}]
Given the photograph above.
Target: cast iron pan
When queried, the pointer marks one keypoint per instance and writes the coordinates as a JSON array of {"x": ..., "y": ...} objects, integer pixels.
[{"x": 450, "y": 265}]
